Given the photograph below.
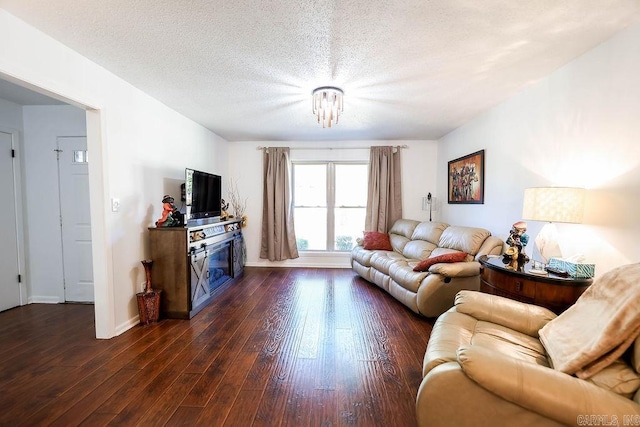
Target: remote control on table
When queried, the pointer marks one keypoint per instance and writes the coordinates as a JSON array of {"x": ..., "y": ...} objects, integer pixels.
[{"x": 557, "y": 272}]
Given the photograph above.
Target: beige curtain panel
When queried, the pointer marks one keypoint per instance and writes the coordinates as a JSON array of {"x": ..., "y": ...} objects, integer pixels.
[
  {"x": 384, "y": 198},
  {"x": 278, "y": 235}
]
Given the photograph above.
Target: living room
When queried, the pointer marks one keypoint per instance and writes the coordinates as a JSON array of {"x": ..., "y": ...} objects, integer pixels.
[{"x": 574, "y": 127}]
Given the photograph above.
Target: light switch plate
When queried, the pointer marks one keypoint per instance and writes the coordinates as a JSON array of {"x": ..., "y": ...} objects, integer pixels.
[{"x": 115, "y": 204}]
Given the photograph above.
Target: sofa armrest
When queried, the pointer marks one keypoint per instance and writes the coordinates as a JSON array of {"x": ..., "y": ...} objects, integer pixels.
[
  {"x": 491, "y": 246},
  {"x": 456, "y": 269},
  {"x": 551, "y": 393},
  {"x": 525, "y": 318}
]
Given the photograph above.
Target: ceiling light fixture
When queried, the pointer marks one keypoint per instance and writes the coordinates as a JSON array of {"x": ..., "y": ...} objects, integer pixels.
[{"x": 327, "y": 104}]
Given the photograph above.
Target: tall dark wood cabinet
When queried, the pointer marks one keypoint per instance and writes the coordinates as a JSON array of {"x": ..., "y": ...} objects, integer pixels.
[{"x": 191, "y": 263}]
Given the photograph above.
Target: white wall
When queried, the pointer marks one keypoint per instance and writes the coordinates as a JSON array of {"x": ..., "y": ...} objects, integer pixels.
[
  {"x": 419, "y": 178},
  {"x": 578, "y": 127},
  {"x": 42, "y": 125},
  {"x": 139, "y": 149},
  {"x": 10, "y": 115}
]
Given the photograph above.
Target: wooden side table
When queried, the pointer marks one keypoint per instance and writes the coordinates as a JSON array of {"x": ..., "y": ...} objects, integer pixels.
[{"x": 551, "y": 291}]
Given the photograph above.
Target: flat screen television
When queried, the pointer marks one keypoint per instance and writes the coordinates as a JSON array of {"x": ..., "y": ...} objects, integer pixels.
[{"x": 203, "y": 192}]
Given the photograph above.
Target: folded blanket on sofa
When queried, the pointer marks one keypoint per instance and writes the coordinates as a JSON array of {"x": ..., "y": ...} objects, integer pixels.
[{"x": 599, "y": 327}]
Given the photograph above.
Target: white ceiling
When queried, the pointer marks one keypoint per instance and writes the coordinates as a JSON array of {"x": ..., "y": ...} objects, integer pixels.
[{"x": 413, "y": 69}]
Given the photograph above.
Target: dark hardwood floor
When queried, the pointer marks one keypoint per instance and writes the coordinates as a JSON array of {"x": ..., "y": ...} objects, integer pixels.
[{"x": 278, "y": 346}]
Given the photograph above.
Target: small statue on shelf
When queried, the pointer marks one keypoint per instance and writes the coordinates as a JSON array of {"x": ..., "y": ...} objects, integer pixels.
[
  {"x": 224, "y": 207},
  {"x": 511, "y": 259},
  {"x": 170, "y": 215},
  {"x": 515, "y": 255}
]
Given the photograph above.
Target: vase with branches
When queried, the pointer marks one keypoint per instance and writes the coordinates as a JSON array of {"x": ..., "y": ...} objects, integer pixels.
[{"x": 239, "y": 204}]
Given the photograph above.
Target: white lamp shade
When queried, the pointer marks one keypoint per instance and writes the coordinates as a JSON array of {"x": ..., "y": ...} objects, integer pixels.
[{"x": 553, "y": 204}]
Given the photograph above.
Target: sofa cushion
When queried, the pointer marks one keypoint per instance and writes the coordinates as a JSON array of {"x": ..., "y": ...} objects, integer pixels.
[
  {"x": 398, "y": 242},
  {"x": 402, "y": 273},
  {"x": 465, "y": 239},
  {"x": 362, "y": 255},
  {"x": 509, "y": 342},
  {"x": 401, "y": 232},
  {"x": 404, "y": 227},
  {"x": 382, "y": 260},
  {"x": 450, "y": 331},
  {"x": 618, "y": 378},
  {"x": 418, "y": 249},
  {"x": 453, "y": 330},
  {"x": 374, "y": 240},
  {"x": 429, "y": 231},
  {"x": 450, "y": 257}
]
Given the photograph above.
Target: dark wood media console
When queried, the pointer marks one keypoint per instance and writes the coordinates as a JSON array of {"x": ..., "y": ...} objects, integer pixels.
[{"x": 191, "y": 263}]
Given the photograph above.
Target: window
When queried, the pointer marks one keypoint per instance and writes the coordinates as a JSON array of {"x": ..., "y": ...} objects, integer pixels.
[{"x": 329, "y": 204}]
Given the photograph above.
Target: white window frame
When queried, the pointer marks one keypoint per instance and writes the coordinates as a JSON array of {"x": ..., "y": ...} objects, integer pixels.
[{"x": 331, "y": 195}]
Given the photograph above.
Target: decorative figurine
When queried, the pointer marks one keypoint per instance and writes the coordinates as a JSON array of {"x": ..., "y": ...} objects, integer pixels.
[
  {"x": 224, "y": 215},
  {"x": 517, "y": 236},
  {"x": 515, "y": 255},
  {"x": 511, "y": 259},
  {"x": 170, "y": 214}
]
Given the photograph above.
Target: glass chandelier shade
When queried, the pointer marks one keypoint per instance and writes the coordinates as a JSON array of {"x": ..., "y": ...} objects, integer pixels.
[{"x": 327, "y": 105}]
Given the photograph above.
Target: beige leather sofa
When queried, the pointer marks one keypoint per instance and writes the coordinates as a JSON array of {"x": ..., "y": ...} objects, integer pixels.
[
  {"x": 431, "y": 292},
  {"x": 485, "y": 366}
]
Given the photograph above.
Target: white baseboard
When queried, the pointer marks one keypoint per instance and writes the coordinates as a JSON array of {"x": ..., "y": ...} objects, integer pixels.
[
  {"x": 43, "y": 300},
  {"x": 309, "y": 259},
  {"x": 298, "y": 264},
  {"x": 123, "y": 327}
]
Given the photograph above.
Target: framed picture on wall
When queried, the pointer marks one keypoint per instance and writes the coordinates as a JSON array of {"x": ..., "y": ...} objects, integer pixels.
[{"x": 466, "y": 179}]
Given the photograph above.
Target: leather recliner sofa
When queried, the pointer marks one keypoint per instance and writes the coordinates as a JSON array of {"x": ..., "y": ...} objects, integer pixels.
[
  {"x": 485, "y": 365},
  {"x": 431, "y": 292}
]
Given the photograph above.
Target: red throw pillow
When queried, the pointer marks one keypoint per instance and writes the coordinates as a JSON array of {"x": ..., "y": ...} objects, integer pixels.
[
  {"x": 374, "y": 240},
  {"x": 450, "y": 257}
]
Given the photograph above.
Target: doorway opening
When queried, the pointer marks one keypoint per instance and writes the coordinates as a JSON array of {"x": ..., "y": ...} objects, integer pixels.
[{"x": 44, "y": 272}]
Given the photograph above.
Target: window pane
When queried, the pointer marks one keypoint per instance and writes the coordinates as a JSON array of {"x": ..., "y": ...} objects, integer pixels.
[
  {"x": 349, "y": 223},
  {"x": 351, "y": 185},
  {"x": 310, "y": 185},
  {"x": 311, "y": 228}
]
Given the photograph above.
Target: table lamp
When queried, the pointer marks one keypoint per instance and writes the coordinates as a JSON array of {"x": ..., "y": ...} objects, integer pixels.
[{"x": 552, "y": 204}]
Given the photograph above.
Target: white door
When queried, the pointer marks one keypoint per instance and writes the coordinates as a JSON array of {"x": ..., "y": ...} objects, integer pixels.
[
  {"x": 9, "y": 264},
  {"x": 73, "y": 172}
]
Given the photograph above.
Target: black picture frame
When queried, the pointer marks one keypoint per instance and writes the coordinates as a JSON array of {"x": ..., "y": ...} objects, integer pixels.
[{"x": 466, "y": 179}]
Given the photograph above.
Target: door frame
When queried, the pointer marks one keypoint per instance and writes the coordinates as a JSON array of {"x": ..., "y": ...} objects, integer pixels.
[
  {"x": 16, "y": 145},
  {"x": 104, "y": 305}
]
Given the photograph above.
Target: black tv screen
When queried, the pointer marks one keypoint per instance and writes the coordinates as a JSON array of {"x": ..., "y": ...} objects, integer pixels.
[{"x": 203, "y": 193}]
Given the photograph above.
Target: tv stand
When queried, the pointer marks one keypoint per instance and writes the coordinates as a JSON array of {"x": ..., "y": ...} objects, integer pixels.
[
  {"x": 190, "y": 264},
  {"x": 202, "y": 222}
]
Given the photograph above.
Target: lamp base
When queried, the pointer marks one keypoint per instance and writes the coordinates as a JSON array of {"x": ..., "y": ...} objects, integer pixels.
[{"x": 547, "y": 243}]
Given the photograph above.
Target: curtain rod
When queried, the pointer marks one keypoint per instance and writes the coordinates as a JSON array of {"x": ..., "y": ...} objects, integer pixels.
[{"x": 260, "y": 147}]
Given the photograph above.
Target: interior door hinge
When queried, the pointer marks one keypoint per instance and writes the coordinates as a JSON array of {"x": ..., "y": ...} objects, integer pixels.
[
  {"x": 13, "y": 153},
  {"x": 19, "y": 278}
]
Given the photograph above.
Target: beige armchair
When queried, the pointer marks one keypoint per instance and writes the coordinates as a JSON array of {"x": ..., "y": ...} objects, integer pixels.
[{"x": 485, "y": 365}]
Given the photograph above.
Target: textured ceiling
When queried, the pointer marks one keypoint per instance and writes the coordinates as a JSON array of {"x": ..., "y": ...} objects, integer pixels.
[{"x": 413, "y": 69}]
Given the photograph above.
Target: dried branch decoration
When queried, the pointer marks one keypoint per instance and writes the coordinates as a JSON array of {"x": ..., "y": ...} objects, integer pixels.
[{"x": 239, "y": 204}]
